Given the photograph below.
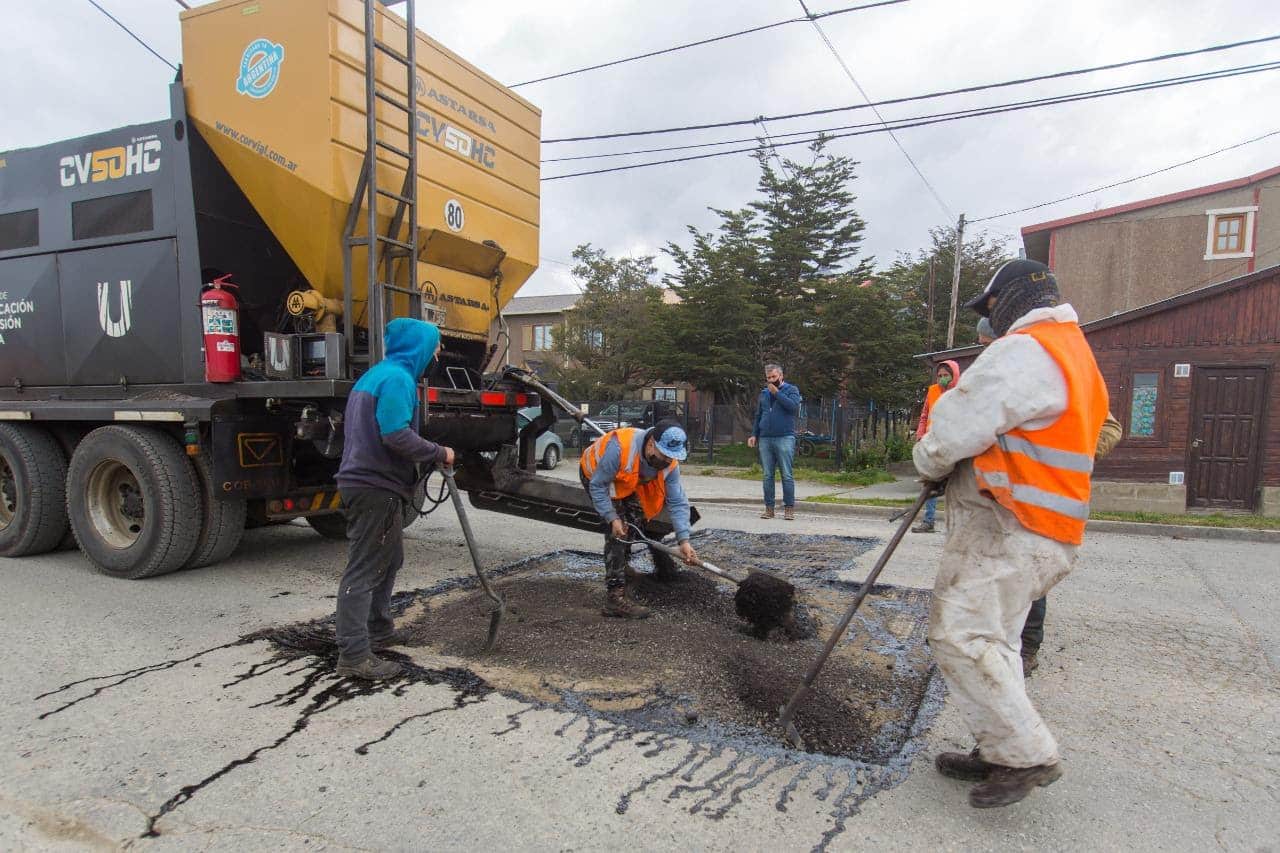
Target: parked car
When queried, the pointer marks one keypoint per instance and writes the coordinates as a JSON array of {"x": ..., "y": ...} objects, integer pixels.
[
  {"x": 549, "y": 448},
  {"x": 637, "y": 413}
]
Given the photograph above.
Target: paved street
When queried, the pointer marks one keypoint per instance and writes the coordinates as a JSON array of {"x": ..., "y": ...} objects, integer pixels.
[{"x": 1159, "y": 677}]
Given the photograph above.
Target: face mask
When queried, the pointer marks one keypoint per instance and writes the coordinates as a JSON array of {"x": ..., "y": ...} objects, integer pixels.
[
  {"x": 944, "y": 380},
  {"x": 655, "y": 464}
]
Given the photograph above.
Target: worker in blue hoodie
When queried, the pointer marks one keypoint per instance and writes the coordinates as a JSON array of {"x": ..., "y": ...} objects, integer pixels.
[{"x": 376, "y": 479}]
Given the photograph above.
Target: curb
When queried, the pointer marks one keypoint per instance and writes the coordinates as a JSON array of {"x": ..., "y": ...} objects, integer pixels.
[{"x": 1127, "y": 528}]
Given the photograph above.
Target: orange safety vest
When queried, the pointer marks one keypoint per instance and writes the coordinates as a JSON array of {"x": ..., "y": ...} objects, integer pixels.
[
  {"x": 651, "y": 493},
  {"x": 930, "y": 397},
  {"x": 1043, "y": 476}
]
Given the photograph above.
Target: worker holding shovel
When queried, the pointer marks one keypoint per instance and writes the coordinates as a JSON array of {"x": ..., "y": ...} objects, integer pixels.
[
  {"x": 1015, "y": 440},
  {"x": 630, "y": 475}
]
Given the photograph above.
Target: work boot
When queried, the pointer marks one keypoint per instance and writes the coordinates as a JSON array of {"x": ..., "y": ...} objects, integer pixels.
[
  {"x": 397, "y": 637},
  {"x": 1007, "y": 785},
  {"x": 789, "y": 513},
  {"x": 923, "y": 527},
  {"x": 369, "y": 668},
  {"x": 768, "y": 512},
  {"x": 617, "y": 604},
  {"x": 967, "y": 767},
  {"x": 1029, "y": 663}
]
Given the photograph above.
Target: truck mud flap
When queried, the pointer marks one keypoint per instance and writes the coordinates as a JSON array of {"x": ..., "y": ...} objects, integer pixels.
[{"x": 251, "y": 457}]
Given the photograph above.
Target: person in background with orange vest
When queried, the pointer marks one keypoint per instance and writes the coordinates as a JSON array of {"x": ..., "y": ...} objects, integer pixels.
[
  {"x": 1014, "y": 441},
  {"x": 630, "y": 475},
  {"x": 945, "y": 377}
]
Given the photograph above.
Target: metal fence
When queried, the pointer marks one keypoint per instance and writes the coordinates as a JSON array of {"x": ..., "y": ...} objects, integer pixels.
[{"x": 825, "y": 429}]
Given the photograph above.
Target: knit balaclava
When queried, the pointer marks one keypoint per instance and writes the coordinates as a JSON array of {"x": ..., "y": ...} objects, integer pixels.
[{"x": 1038, "y": 290}]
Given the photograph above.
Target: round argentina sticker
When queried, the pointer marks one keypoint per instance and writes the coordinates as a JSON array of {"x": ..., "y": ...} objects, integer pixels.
[{"x": 260, "y": 68}]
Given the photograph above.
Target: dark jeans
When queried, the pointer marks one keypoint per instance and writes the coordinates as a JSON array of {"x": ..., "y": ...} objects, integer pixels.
[
  {"x": 1033, "y": 628},
  {"x": 375, "y": 553},
  {"x": 617, "y": 554}
]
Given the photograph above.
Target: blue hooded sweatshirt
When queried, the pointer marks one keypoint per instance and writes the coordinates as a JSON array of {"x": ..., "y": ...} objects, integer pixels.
[{"x": 381, "y": 424}]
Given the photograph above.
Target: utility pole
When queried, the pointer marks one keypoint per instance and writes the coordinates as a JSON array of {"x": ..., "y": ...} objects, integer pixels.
[
  {"x": 931, "y": 262},
  {"x": 955, "y": 284}
]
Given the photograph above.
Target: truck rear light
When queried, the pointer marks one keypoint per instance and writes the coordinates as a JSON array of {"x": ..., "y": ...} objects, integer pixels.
[
  {"x": 433, "y": 395},
  {"x": 493, "y": 398},
  {"x": 522, "y": 399},
  {"x": 288, "y": 504}
]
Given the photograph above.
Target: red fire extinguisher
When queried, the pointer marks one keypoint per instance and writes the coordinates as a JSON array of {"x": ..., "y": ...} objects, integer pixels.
[{"x": 220, "y": 312}]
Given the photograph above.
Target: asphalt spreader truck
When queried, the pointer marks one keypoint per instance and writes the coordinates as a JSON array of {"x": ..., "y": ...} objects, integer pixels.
[{"x": 186, "y": 304}]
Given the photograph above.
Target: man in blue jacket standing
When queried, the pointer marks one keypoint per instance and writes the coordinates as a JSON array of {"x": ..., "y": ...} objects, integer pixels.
[
  {"x": 775, "y": 434},
  {"x": 376, "y": 479}
]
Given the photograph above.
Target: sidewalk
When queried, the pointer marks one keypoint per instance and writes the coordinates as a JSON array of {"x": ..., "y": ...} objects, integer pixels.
[{"x": 713, "y": 489}]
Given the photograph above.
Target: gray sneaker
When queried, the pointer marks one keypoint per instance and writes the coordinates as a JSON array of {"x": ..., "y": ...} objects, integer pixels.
[
  {"x": 369, "y": 668},
  {"x": 923, "y": 527}
]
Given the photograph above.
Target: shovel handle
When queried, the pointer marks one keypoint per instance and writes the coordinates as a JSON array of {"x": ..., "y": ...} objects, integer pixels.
[
  {"x": 499, "y": 605},
  {"x": 675, "y": 552},
  {"x": 806, "y": 686}
]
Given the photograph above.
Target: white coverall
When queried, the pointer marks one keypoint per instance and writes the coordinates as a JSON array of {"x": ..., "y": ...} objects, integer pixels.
[{"x": 992, "y": 567}]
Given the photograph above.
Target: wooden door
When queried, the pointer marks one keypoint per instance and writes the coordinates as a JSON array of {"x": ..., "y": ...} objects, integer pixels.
[{"x": 1225, "y": 437}]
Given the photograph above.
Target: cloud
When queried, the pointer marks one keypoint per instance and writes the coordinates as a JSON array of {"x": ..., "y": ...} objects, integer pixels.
[{"x": 74, "y": 72}]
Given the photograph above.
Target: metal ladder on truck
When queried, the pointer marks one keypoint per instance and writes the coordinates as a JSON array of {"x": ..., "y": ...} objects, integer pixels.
[{"x": 400, "y": 241}]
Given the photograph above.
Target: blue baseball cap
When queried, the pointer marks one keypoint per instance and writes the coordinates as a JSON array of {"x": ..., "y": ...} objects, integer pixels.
[{"x": 673, "y": 442}]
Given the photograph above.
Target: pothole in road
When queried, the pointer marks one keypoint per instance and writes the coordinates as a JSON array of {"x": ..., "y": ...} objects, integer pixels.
[{"x": 693, "y": 664}]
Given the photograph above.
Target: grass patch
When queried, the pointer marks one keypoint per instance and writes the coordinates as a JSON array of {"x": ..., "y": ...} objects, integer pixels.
[
  {"x": 865, "y": 477},
  {"x": 894, "y": 502},
  {"x": 1252, "y": 522}
]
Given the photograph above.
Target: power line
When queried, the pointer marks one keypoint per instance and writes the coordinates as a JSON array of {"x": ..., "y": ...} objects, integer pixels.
[
  {"x": 135, "y": 36},
  {"x": 967, "y": 112},
  {"x": 961, "y": 91},
  {"x": 182, "y": 4},
  {"x": 1161, "y": 84},
  {"x": 849, "y": 73},
  {"x": 1168, "y": 168},
  {"x": 700, "y": 42}
]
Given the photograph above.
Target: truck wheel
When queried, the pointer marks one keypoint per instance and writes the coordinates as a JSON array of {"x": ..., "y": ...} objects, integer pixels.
[
  {"x": 332, "y": 525},
  {"x": 33, "y": 477},
  {"x": 223, "y": 521},
  {"x": 134, "y": 502},
  {"x": 551, "y": 458}
]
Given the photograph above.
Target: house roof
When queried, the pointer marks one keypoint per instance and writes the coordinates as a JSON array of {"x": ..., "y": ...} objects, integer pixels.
[
  {"x": 1191, "y": 296},
  {"x": 1151, "y": 202},
  {"x": 552, "y": 303}
]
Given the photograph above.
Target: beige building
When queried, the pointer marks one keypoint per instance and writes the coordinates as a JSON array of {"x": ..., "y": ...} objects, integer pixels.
[
  {"x": 532, "y": 322},
  {"x": 1124, "y": 257}
]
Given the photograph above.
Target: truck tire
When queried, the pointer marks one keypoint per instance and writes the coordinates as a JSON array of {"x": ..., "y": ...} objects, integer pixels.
[
  {"x": 134, "y": 501},
  {"x": 223, "y": 525},
  {"x": 33, "y": 477},
  {"x": 332, "y": 525}
]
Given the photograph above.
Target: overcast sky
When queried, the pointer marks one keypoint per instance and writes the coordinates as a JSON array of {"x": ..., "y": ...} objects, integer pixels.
[{"x": 69, "y": 71}]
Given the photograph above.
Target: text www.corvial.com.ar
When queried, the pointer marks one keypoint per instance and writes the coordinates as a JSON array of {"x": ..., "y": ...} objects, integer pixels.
[{"x": 260, "y": 147}]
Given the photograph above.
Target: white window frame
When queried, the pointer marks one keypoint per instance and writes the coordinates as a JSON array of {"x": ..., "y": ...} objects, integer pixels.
[
  {"x": 1250, "y": 212},
  {"x": 675, "y": 394}
]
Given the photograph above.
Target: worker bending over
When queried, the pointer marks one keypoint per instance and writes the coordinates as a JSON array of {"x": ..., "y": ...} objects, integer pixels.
[
  {"x": 1015, "y": 442},
  {"x": 630, "y": 475}
]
